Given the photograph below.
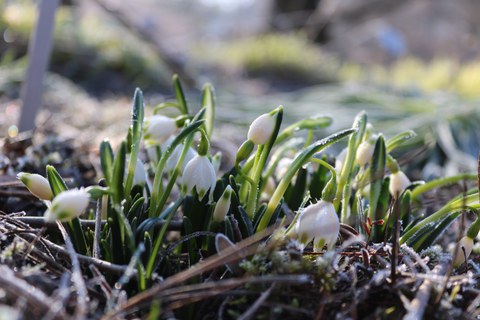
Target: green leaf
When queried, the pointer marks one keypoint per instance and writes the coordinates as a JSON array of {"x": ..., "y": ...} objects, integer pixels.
[
  {"x": 177, "y": 87},
  {"x": 208, "y": 102},
  {"x": 56, "y": 181},
  {"x": 118, "y": 174},
  {"x": 377, "y": 172},
  {"x": 426, "y": 236},
  {"x": 400, "y": 139},
  {"x": 136, "y": 130},
  {"x": 106, "y": 160}
]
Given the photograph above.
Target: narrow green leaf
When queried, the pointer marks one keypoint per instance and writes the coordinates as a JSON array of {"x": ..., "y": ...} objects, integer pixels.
[
  {"x": 208, "y": 102},
  {"x": 118, "y": 174},
  {"x": 136, "y": 137},
  {"x": 106, "y": 160},
  {"x": 377, "y": 171},
  {"x": 177, "y": 87},
  {"x": 56, "y": 181},
  {"x": 399, "y": 139}
]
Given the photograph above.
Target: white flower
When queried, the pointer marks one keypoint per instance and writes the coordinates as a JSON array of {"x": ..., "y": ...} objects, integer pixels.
[
  {"x": 261, "y": 129},
  {"x": 465, "y": 244},
  {"x": 223, "y": 205},
  {"x": 37, "y": 185},
  {"x": 68, "y": 205},
  {"x": 199, "y": 174},
  {"x": 173, "y": 159},
  {"x": 365, "y": 151},
  {"x": 159, "y": 128},
  {"x": 320, "y": 222},
  {"x": 398, "y": 182}
]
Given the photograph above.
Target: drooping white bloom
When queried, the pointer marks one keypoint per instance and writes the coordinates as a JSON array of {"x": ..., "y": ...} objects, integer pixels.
[
  {"x": 365, "y": 151},
  {"x": 199, "y": 174},
  {"x": 37, "y": 185},
  {"x": 261, "y": 129},
  {"x": 173, "y": 159},
  {"x": 465, "y": 246},
  {"x": 398, "y": 182},
  {"x": 68, "y": 205},
  {"x": 320, "y": 222},
  {"x": 159, "y": 128},
  {"x": 223, "y": 205}
]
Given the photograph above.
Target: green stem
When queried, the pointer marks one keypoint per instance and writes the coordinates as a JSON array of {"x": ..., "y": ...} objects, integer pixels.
[
  {"x": 347, "y": 169},
  {"x": 258, "y": 165},
  {"x": 418, "y": 191}
]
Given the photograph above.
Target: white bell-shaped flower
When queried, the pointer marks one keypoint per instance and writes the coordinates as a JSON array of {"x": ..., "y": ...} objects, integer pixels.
[
  {"x": 261, "y": 129},
  {"x": 199, "y": 174},
  {"x": 398, "y": 182},
  {"x": 465, "y": 246},
  {"x": 365, "y": 151},
  {"x": 37, "y": 185},
  {"x": 159, "y": 128},
  {"x": 68, "y": 205},
  {"x": 173, "y": 159},
  {"x": 320, "y": 222}
]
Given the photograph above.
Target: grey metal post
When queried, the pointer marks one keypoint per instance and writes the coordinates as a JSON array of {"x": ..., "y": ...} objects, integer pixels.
[{"x": 39, "y": 49}]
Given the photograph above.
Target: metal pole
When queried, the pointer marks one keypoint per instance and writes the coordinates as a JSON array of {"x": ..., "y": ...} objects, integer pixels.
[{"x": 39, "y": 49}]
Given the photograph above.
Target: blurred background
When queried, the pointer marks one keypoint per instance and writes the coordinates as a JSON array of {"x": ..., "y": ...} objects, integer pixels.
[{"x": 410, "y": 64}]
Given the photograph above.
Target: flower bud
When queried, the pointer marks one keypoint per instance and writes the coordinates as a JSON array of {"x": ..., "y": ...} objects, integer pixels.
[
  {"x": 398, "y": 182},
  {"x": 244, "y": 151},
  {"x": 173, "y": 159},
  {"x": 37, "y": 185},
  {"x": 465, "y": 246},
  {"x": 261, "y": 129},
  {"x": 68, "y": 205},
  {"x": 365, "y": 151},
  {"x": 159, "y": 128},
  {"x": 199, "y": 174},
  {"x": 223, "y": 205},
  {"x": 318, "y": 221}
]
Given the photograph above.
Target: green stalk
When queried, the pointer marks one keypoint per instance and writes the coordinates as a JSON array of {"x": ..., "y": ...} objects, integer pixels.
[
  {"x": 257, "y": 172},
  {"x": 263, "y": 151},
  {"x": 346, "y": 174},
  {"x": 459, "y": 204},
  {"x": 421, "y": 189},
  {"x": 298, "y": 162}
]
